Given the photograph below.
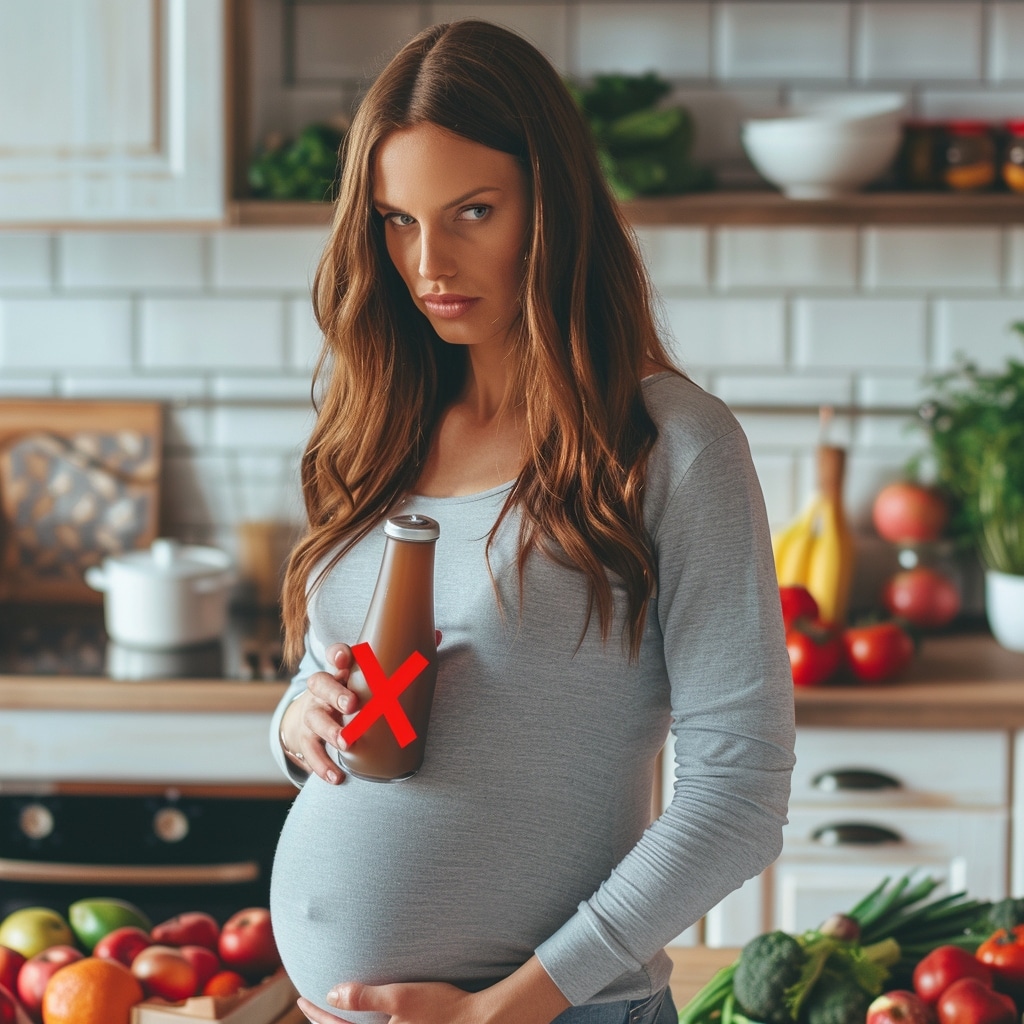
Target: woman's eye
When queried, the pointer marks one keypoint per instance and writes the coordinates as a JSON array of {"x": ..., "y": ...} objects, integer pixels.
[
  {"x": 401, "y": 220},
  {"x": 475, "y": 212}
]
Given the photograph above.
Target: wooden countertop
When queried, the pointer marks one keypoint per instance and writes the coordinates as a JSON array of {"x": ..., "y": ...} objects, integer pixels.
[
  {"x": 91, "y": 693},
  {"x": 960, "y": 681},
  {"x": 693, "y": 966}
]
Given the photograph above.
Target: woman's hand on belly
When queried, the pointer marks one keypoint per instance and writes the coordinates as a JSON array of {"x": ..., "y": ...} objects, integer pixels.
[
  {"x": 527, "y": 996},
  {"x": 315, "y": 719}
]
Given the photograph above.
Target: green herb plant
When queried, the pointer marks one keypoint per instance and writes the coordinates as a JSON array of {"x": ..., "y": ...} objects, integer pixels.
[
  {"x": 644, "y": 145},
  {"x": 975, "y": 428}
]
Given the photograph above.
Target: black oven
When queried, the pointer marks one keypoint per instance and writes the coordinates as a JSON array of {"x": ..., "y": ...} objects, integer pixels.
[{"x": 165, "y": 849}]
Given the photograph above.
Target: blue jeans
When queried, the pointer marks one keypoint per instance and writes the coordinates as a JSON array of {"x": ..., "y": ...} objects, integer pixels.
[{"x": 656, "y": 1009}]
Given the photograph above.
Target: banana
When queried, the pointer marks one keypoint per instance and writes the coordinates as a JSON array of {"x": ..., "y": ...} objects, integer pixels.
[
  {"x": 792, "y": 547},
  {"x": 816, "y": 550}
]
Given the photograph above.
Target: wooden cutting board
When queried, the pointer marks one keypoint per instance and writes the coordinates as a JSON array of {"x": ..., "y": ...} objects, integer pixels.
[{"x": 79, "y": 480}]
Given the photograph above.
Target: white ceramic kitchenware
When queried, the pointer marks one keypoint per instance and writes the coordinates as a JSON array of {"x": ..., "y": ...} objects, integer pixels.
[
  {"x": 169, "y": 595},
  {"x": 827, "y": 146}
]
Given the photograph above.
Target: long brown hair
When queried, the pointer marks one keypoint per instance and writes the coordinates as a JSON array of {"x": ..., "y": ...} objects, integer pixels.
[{"x": 579, "y": 349}]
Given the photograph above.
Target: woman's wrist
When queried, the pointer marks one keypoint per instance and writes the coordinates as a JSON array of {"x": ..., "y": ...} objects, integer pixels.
[{"x": 526, "y": 996}]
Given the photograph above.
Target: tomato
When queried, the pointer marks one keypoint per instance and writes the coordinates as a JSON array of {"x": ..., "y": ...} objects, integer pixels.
[
  {"x": 797, "y": 603},
  {"x": 909, "y": 513},
  {"x": 970, "y": 1001},
  {"x": 815, "y": 652},
  {"x": 944, "y": 965},
  {"x": 922, "y": 596},
  {"x": 1003, "y": 951},
  {"x": 878, "y": 652}
]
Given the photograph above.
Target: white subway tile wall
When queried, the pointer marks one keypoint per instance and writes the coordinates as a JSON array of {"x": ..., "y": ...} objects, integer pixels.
[
  {"x": 782, "y": 40},
  {"x": 894, "y": 45},
  {"x": 218, "y": 325}
]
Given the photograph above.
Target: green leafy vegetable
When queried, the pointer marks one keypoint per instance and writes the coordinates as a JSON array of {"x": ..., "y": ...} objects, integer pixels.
[
  {"x": 827, "y": 976},
  {"x": 644, "y": 148},
  {"x": 304, "y": 168}
]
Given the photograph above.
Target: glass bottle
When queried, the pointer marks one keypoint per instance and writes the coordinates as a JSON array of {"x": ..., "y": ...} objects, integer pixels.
[
  {"x": 918, "y": 165},
  {"x": 970, "y": 164},
  {"x": 399, "y": 624}
]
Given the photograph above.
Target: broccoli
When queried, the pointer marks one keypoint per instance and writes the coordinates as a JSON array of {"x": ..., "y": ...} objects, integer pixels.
[
  {"x": 836, "y": 999},
  {"x": 1005, "y": 914},
  {"x": 767, "y": 967}
]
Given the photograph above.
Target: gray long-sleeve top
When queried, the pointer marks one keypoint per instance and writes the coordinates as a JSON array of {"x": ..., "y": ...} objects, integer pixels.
[{"x": 527, "y": 829}]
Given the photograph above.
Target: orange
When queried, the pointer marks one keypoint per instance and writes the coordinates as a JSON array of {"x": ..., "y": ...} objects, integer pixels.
[
  {"x": 224, "y": 983},
  {"x": 91, "y": 991}
]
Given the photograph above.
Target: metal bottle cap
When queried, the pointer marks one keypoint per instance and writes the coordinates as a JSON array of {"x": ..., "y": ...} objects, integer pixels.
[{"x": 412, "y": 527}]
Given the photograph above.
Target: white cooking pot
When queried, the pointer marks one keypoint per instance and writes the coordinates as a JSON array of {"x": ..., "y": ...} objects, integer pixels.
[{"x": 169, "y": 595}]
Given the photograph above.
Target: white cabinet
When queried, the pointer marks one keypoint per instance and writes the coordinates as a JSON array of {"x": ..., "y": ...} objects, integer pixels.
[
  {"x": 113, "y": 110},
  {"x": 173, "y": 747},
  {"x": 867, "y": 804},
  {"x": 1017, "y": 838}
]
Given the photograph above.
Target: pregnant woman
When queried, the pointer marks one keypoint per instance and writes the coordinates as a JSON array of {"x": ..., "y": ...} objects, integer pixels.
[{"x": 603, "y": 580}]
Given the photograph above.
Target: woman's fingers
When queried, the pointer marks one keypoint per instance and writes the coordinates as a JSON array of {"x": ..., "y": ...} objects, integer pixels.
[
  {"x": 339, "y": 657},
  {"x": 331, "y": 693},
  {"x": 314, "y": 1013}
]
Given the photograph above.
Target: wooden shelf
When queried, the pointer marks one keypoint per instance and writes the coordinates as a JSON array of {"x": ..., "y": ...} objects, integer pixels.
[{"x": 751, "y": 208}]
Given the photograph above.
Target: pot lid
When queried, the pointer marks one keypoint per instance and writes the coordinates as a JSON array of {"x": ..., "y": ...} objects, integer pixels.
[{"x": 169, "y": 557}]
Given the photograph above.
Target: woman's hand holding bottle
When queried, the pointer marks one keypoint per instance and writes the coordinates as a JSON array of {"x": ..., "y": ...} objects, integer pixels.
[{"x": 315, "y": 718}]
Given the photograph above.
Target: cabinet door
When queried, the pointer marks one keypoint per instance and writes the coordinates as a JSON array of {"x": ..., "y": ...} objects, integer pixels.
[
  {"x": 834, "y": 856},
  {"x": 113, "y": 111}
]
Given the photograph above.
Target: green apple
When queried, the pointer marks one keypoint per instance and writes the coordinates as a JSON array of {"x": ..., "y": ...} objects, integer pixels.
[
  {"x": 91, "y": 919},
  {"x": 33, "y": 929}
]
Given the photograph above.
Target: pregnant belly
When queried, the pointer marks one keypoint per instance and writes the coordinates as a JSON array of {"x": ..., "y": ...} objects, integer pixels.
[{"x": 384, "y": 883}]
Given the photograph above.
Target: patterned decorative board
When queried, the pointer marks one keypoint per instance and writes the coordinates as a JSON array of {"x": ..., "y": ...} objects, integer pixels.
[{"x": 78, "y": 481}]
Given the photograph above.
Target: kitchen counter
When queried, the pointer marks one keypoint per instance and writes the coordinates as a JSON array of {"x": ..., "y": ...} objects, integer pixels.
[
  {"x": 961, "y": 681},
  {"x": 693, "y": 967}
]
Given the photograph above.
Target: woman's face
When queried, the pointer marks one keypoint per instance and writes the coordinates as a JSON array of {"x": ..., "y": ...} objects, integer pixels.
[{"x": 456, "y": 216}]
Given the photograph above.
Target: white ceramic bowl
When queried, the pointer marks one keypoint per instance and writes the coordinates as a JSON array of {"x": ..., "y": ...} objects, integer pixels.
[
  {"x": 819, "y": 158},
  {"x": 863, "y": 108}
]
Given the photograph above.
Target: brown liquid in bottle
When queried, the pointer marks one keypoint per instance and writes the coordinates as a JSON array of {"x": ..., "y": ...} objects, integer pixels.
[{"x": 400, "y": 621}]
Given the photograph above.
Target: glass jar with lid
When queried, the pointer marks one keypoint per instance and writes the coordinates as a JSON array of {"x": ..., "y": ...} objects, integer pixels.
[
  {"x": 919, "y": 163},
  {"x": 970, "y": 156},
  {"x": 1013, "y": 156}
]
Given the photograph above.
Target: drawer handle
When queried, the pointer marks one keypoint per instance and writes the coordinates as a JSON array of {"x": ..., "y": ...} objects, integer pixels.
[
  {"x": 852, "y": 833},
  {"x": 858, "y": 779}
]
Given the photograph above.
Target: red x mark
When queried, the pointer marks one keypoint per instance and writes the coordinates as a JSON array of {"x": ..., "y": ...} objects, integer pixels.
[{"x": 385, "y": 692}]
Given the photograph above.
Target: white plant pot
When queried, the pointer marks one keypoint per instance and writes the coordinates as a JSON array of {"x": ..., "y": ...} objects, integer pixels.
[{"x": 1004, "y": 607}]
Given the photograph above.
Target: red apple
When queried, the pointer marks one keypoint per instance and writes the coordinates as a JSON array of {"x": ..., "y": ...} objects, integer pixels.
[
  {"x": 37, "y": 971},
  {"x": 10, "y": 963},
  {"x": 908, "y": 513},
  {"x": 900, "y": 1006},
  {"x": 164, "y": 972},
  {"x": 247, "y": 944},
  {"x": 923, "y": 596},
  {"x": 205, "y": 962},
  {"x": 970, "y": 1001},
  {"x": 122, "y": 944},
  {"x": 10, "y": 1009},
  {"x": 193, "y": 928}
]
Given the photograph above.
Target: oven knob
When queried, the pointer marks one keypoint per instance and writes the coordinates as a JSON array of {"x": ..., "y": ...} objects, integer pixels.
[
  {"x": 170, "y": 824},
  {"x": 35, "y": 821}
]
